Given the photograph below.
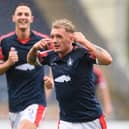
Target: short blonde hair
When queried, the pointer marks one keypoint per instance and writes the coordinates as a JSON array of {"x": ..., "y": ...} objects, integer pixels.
[{"x": 65, "y": 23}]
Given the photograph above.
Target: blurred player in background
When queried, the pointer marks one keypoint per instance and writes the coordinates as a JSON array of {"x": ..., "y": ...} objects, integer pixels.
[
  {"x": 102, "y": 90},
  {"x": 27, "y": 102},
  {"x": 73, "y": 75}
]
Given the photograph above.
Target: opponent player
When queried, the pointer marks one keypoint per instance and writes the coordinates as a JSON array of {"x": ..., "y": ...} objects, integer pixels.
[{"x": 102, "y": 90}]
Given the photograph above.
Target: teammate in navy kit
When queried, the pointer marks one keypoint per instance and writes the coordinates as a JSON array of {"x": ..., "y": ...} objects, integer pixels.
[
  {"x": 27, "y": 102},
  {"x": 102, "y": 90},
  {"x": 73, "y": 75}
]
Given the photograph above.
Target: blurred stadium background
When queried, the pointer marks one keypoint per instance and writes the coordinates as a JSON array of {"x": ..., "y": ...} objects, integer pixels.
[{"x": 104, "y": 22}]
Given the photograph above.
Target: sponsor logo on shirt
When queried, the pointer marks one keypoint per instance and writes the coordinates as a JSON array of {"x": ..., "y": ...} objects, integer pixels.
[
  {"x": 63, "y": 78},
  {"x": 25, "y": 67}
]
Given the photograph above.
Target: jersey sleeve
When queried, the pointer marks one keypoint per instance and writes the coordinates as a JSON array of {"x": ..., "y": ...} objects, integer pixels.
[
  {"x": 91, "y": 58},
  {"x": 88, "y": 57},
  {"x": 43, "y": 57}
]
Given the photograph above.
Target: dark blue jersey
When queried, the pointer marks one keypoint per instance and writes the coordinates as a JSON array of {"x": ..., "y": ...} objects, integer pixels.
[
  {"x": 25, "y": 81},
  {"x": 74, "y": 85}
]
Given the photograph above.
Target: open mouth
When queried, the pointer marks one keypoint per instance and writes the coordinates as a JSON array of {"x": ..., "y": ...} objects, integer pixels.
[
  {"x": 56, "y": 46},
  {"x": 23, "y": 22}
]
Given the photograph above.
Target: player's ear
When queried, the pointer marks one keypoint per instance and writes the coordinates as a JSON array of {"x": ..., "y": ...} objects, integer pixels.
[
  {"x": 32, "y": 19},
  {"x": 13, "y": 18},
  {"x": 71, "y": 37}
]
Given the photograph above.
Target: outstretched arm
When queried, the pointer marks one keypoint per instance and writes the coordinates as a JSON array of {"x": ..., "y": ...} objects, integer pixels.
[{"x": 102, "y": 56}]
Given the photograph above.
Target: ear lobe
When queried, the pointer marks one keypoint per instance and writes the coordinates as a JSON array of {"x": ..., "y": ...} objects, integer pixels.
[
  {"x": 32, "y": 19},
  {"x": 72, "y": 38}
]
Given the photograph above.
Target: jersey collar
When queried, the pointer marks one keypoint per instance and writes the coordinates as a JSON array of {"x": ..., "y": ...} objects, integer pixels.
[{"x": 24, "y": 41}]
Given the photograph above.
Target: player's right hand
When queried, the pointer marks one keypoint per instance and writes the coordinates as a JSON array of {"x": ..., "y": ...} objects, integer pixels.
[
  {"x": 42, "y": 44},
  {"x": 48, "y": 82}
]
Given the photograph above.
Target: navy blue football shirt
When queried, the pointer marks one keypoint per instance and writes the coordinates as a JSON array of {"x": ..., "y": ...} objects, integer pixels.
[
  {"x": 74, "y": 85},
  {"x": 25, "y": 81}
]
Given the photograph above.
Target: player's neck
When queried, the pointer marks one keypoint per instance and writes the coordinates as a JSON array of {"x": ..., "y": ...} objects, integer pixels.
[
  {"x": 64, "y": 53},
  {"x": 23, "y": 34}
]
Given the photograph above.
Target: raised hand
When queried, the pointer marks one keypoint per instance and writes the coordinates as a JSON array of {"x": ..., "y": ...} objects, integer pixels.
[
  {"x": 42, "y": 44},
  {"x": 13, "y": 56}
]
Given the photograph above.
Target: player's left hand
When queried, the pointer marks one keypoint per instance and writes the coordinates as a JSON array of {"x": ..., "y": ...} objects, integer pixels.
[
  {"x": 48, "y": 82},
  {"x": 79, "y": 37}
]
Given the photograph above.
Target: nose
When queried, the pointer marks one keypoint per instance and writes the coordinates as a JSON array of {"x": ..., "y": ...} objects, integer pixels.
[
  {"x": 54, "y": 39},
  {"x": 23, "y": 16}
]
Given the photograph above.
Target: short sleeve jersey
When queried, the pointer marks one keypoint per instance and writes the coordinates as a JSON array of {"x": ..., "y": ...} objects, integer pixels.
[
  {"x": 74, "y": 85},
  {"x": 25, "y": 81}
]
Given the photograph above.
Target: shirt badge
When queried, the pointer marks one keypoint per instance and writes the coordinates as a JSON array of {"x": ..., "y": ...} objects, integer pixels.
[{"x": 70, "y": 62}]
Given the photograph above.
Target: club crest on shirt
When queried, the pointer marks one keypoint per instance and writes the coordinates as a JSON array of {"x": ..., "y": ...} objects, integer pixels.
[{"x": 70, "y": 61}]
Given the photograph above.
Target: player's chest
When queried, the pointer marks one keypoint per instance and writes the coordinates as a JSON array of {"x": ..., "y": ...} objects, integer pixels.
[{"x": 65, "y": 67}]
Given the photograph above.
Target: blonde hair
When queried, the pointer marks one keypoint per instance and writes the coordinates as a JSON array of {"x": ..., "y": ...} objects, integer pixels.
[{"x": 64, "y": 23}]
